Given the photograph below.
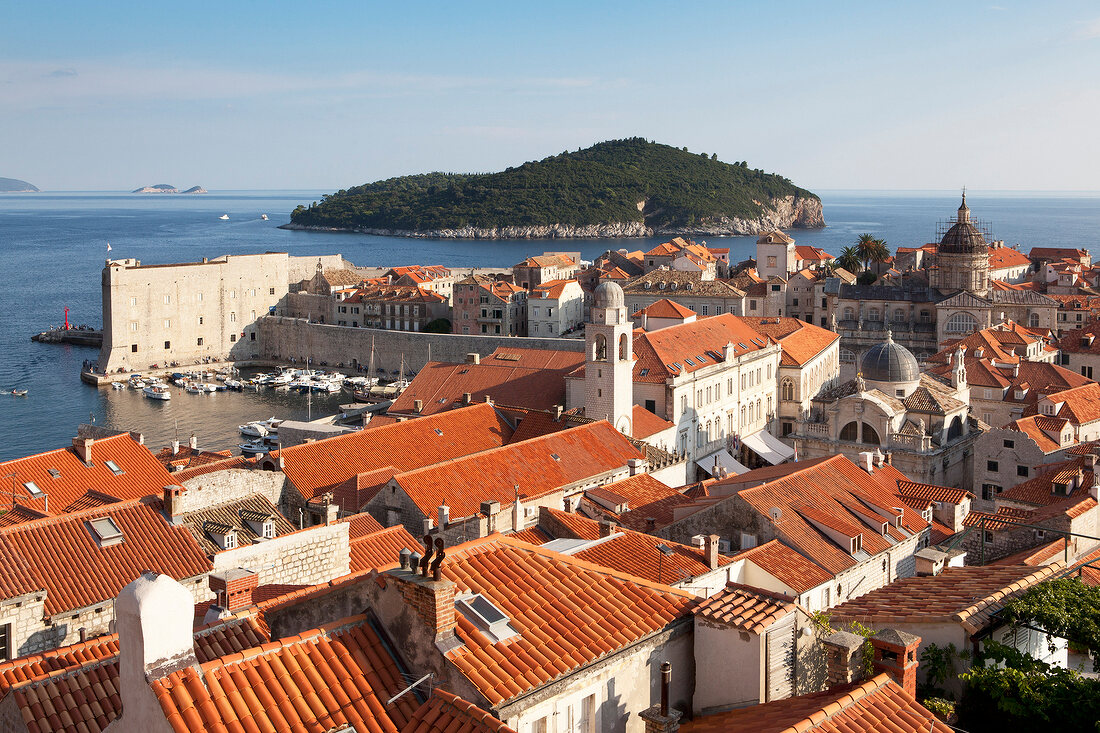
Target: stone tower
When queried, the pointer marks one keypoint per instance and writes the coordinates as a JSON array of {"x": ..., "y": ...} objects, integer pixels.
[
  {"x": 609, "y": 360},
  {"x": 962, "y": 260}
]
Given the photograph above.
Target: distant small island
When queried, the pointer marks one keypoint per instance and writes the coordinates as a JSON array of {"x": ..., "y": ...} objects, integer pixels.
[
  {"x": 167, "y": 188},
  {"x": 619, "y": 188},
  {"x": 14, "y": 185}
]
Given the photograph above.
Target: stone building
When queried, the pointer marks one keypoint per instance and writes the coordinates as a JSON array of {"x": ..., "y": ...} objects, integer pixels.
[
  {"x": 391, "y": 308},
  {"x": 919, "y": 420},
  {"x": 544, "y": 268},
  {"x": 690, "y": 289},
  {"x": 483, "y": 305},
  {"x": 555, "y": 307},
  {"x": 962, "y": 258}
]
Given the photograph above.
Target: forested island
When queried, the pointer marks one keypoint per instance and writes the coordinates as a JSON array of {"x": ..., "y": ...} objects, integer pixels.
[
  {"x": 167, "y": 188},
  {"x": 619, "y": 188},
  {"x": 14, "y": 185}
]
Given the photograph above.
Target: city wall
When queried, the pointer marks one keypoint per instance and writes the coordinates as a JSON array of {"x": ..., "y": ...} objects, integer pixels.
[{"x": 281, "y": 339}]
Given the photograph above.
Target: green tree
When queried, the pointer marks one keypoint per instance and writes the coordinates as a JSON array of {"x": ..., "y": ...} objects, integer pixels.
[
  {"x": 865, "y": 247},
  {"x": 849, "y": 259}
]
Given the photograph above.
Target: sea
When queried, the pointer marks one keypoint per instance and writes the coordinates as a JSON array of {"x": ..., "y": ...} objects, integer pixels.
[{"x": 53, "y": 247}]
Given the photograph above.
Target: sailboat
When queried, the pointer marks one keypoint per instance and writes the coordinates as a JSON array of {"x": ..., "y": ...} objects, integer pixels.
[
  {"x": 224, "y": 217},
  {"x": 361, "y": 386}
]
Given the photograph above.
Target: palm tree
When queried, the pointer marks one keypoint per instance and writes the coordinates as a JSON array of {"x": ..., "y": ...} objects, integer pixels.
[
  {"x": 879, "y": 251},
  {"x": 849, "y": 259},
  {"x": 865, "y": 245}
]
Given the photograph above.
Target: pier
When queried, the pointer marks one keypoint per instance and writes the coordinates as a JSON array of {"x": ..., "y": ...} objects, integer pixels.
[{"x": 74, "y": 336}]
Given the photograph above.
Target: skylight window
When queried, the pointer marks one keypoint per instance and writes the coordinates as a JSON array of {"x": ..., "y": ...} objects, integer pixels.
[
  {"x": 701, "y": 359},
  {"x": 438, "y": 431},
  {"x": 33, "y": 490},
  {"x": 643, "y": 373},
  {"x": 484, "y": 614},
  {"x": 742, "y": 345},
  {"x": 689, "y": 361},
  {"x": 555, "y": 456},
  {"x": 114, "y": 467},
  {"x": 105, "y": 531},
  {"x": 678, "y": 365},
  {"x": 54, "y": 473}
]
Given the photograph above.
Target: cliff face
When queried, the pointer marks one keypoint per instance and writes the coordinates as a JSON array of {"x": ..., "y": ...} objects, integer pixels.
[{"x": 789, "y": 212}]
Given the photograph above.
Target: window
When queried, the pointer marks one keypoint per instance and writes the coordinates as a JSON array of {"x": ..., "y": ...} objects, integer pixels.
[
  {"x": 771, "y": 261},
  {"x": 705, "y": 310},
  {"x": 850, "y": 432},
  {"x": 252, "y": 335},
  {"x": 133, "y": 301},
  {"x": 1010, "y": 444},
  {"x": 133, "y": 348},
  {"x": 105, "y": 531},
  {"x": 787, "y": 390},
  {"x": 1086, "y": 371},
  {"x": 133, "y": 325},
  {"x": 232, "y": 338},
  {"x": 1021, "y": 471},
  {"x": 987, "y": 536},
  {"x": 113, "y": 467},
  {"x": 167, "y": 299},
  {"x": 269, "y": 530},
  {"x": 200, "y": 320},
  {"x": 33, "y": 490},
  {"x": 651, "y": 406},
  {"x": 992, "y": 466},
  {"x": 230, "y": 541},
  {"x": 539, "y": 726},
  {"x": 989, "y": 491},
  {"x": 167, "y": 322},
  {"x": 232, "y": 316},
  {"x": 752, "y": 305},
  {"x": 199, "y": 341},
  {"x": 961, "y": 323},
  {"x": 5, "y": 642},
  {"x": 271, "y": 291},
  {"x": 167, "y": 344}
]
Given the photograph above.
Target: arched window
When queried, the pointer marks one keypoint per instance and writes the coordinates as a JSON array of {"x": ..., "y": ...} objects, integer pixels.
[
  {"x": 956, "y": 428},
  {"x": 599, "y": 350},
  {"x": 961, "y": 323},
  {"x": 623, "y": 348},
  {"x": 751, "y": 413},
  {"x": 870, "y": 435},
  {"x": 847, "y": 356},
  {"x": 850, "y": 432},
  {"x": 788, "y": 390},
  {"x": 743, "y": 415}
]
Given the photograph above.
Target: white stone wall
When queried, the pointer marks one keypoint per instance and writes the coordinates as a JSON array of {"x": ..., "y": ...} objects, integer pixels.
[
  {"x": 307, "y": 557},
  {"x": 231, "y": 484}
]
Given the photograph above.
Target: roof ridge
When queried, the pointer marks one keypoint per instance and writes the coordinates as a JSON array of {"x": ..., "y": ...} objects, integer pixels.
[
  {"x": 845, "y": 701},
  {"x": 65, "y": 672},
  {"x": 53, "y": 519}
]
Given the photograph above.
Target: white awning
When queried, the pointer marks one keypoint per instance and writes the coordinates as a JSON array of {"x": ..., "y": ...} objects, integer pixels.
[
  {"x": 768, "y": 447},
  {"x": 725, "y": 460}
]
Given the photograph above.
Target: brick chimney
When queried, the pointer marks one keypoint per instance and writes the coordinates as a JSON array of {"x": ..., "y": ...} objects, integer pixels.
[
  {"x": 173, "y": 500},
  {"x": 467, "y": 398},
  {"x": 710, "y": 550},
  {"x": 83, "y": 449},
  {"x": 233, "y": 589},
  {"x": 662, "y": 718},
  {"x": 842, "y": 658},
  {"x": 606, "y": 528},
  {"x": 896, "y": 655},
  {"x": 433, "y": 601}
]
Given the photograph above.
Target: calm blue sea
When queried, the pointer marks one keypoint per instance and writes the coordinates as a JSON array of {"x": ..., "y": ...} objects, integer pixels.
[{"x": 53, "y": 245}]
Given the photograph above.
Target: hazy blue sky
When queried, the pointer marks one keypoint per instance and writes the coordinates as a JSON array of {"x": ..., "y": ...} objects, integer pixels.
[{"x": 327, "y": 95}]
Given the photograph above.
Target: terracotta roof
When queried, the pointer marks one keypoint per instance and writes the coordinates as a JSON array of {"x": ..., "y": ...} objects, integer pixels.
[
  {"x": 878, "y": 704},
  {"x": 1038, "y": 491},
  {"x": 605, "y": 611},
  {"x": 626, "y": 551},
  {"x": 537, "y": 423},
  {"x": 240, "y": 462},
  {"x": 1080, "y": 405},
  {"x": 647, "y": 498},
  {"x": 314, "y": 468},
  {"x": 931, "y": 492},
  {"x": 665, "y": 308},
  {"x": 19, "y": 514},
  {"x": 801, "y": 341},
  {"x": 679, "y": 284},
  {"x": 360, "y": 525},
  {"x": 235, "y": 514},
  {"x": 786, "y": 565},
  {"x": 745, "y": 607},
  {"x": 775, "y": 237},
  {"x": 551, "y": 290},
  {"x": 531, "y": 378},
  {"x": 381, "y": 549},
  {"x": 1037, "y": 555},
  {"x": 1057, "y": 253},
  {"x": 932, "y": 398},
  {"x": 548, "y": 261},
  {"x": 831, "y": 491},
  {"x": 968, "y": 596},
  {"x": 342, "y": 675},
  {"x": 664, "y": 353},
  {"x": 644, "y": 423},
  {"x": 1031, "y": 427},
  {"x": 806, "y": 252},
  {"x": 140, "y": 474},
  {"x": 447, "y": 713},
  {"x": 538, "y": 466},
  {"x": 992, "y": 521},
  {"x": 1001, "y": 257},
  {"x": 61, "y": 555}
]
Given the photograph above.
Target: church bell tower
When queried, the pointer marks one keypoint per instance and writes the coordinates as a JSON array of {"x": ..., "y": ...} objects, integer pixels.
[{"x": 609, "y": 360}]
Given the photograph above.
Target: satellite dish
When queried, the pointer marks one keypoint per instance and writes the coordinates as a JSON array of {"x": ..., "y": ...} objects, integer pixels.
[{"x": 775, "y": 513}]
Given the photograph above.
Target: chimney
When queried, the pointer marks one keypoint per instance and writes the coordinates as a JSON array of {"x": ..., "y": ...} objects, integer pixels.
[
  {"x": 193, "y": 442},
  {"x": 606, "y": 528},
  {"x": 866, "y": 461},
  {"x": 635, "y": 465},
  {"x": 517, "y": 511},
  {"x": 175, "y": 447},
  {"x": 727, "y": 351},
  {"x": 843, "y": 658},
  {"x": 558, "y": 410},
  {"x": 930, "y": 561},
  {"x": 473, "y": 358},
  {"x": 467, "y": 398},
  {"x": 154, "y": 616},
  {"x": 233, "y": 592},
  {"x": 710, "y": 551},
  {"x": 173, "y": 500},
  {"x": 896, "y": 655},
  {"x": 491, "y": 509},
  {"x": 432, "y": 600},
  {"x": 83, "y": 449},
  {"x": 444, "y": 515},
  {"x": 418, "y": 406},
  {"x": 662, "y": 718}
]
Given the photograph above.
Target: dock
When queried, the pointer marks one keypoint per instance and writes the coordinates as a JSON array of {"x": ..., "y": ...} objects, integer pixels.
[{"x": 74, "y": 336}]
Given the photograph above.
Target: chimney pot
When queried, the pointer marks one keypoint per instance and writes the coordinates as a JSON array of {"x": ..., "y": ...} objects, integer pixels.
[
  {"x": 444, "y": 515},
  {"x": 418, "y": 406},
  {"x": 896, "y": 655},
  {"x": 467, "y": 398},
  {"x": 193, "y": 442},
  {"x": 473, "y": 358},
  {"x": 403, "y": 558},
  {"x": 175, "y": 447}
]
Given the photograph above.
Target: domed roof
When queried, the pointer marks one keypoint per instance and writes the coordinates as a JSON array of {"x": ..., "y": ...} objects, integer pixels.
[
  {"x": 963, "y": 237},
  {"x": 889, "y": 362},
  {"x": 609, "y": 295}
]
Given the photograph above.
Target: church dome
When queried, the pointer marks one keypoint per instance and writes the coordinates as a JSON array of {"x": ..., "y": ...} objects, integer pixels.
[
  {"x": 889, "y": 362},
  {"x": 609, "y": 295},
  {"x": 963, "y": 237}
]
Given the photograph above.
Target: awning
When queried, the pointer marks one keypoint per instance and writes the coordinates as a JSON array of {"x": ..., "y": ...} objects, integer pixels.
[
  {"x": 725, "y": 460},
  {"x": 768, "y": 447}
]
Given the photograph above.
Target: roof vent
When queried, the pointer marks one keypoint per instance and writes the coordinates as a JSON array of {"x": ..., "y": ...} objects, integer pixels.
[
  {"x": 438, "y": 431},
  {"x": 54, "y": 473},
  {"x": 775, "y": 513}
]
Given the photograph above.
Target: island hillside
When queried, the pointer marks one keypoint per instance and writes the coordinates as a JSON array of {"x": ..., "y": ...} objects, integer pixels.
[
  {"x": 167, "y": 188},
  {"x": 619, "y": 188},
  {"x": 14, "y": 185}
]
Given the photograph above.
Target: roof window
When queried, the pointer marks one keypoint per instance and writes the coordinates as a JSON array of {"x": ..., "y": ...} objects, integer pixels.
[
  {"x": 54, "y": 473},
  {"x": 701, "y": 359},
  {"x": 742, "y": 345},
  {"x": 33, "y": 490},
  {"x": 643, "y": 373},
  {"x": 678, "y": 366},
  {"x": 105, "y": 531},
  {"x": 484, "y": 614},
  {"x": 438, "y": 431},
  {"x": 555, "y": 456},
  {"x": 689, "y": 361},
  {"x": 114, "y": 467}
]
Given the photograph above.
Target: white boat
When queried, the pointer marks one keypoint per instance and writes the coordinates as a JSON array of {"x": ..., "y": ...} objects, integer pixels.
[
  {"x": 224, "y": 217},
  {"x": 234, "y": 384},
  {"x": 19, "y": 392},
  {"x": 263, "y": 216},
  {"x": 282, "y": 379},
  {"x": 193, "y": 388},
  {"x": 271, "y": 424},
  {"x": 207, "y": 387},
  {"x": 253, "y": 429},
  {"x": 118, "y": 385},
  {"x": 157, "y": 392},
  {"x": 251, "y": 449}
]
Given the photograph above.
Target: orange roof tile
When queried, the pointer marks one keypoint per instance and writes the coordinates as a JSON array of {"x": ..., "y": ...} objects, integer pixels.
[
  {"x": 1039, "y": 490},
  {"x": 967, "y": 595},
  {"x": 646, "y": 498},
  {"x": 657, "y": 353},
  {"x": 550, "y": 290},
  {"x": 745, "y": 607},
  {"x": 665, "y": 308},
  {"x": 60, "y": 555},
  {"x": 931, "y": 492},
  {"x": 1080, "y": 405},
  {"x": 606, "y": 611},
  {"x": 338, "y": 675},
  {"x": 1001, "y": 257},
  {"x": 1030, "y": 426},
  {"x": 447, "y": 713},
  {"x": 878, "y": 704},
  {"x": 381, "y": 549},
  {"x": 801, "y": 341},
  {"x": 140, "y": 473},
  {"x": 1037, "y": 555},
  {"x": 806, "y": 252},
  {"x": 645, "y": 423},
  {"x": 538, "y": 466},
  {"x": 786, "y": 565},
  {"x": 314, "y": 468}
]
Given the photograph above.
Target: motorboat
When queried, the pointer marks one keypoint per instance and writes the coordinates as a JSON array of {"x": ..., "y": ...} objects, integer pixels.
[
  {"x": 253, "y": 449},
  {"x": 234, "y": 384},
  {"x": 157, "y": 391},
  {"x": 193, "y": 388},
  {"x": 263, "y": 217},
  {"x": 19, "y": 392},
  {"x": 118, "y": 385},
  {"x": 208, "y": 387},
  {"x": 253, "y": 429},
  {"x": 224, "y": 217}
]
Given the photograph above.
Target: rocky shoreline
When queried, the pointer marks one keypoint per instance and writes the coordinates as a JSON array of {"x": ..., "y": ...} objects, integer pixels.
[{"x": 785, "y": 213}]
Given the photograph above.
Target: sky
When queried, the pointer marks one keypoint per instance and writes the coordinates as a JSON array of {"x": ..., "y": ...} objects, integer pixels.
[{"x": 327, "y": 95}]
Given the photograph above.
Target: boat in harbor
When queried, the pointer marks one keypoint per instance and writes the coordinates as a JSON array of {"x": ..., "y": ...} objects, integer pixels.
[
  {"x": 253, "y": 449},
  {"x": 261, "y": 428},
  {"x": 263, "y": 217},
  {"x": 118, "y": 385},
  {"x": 234, "y": 384},
  {"x": 157, "y": 391},
  {"x": 193, "y": 388},
  {"x": 224, "y": 217}
]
